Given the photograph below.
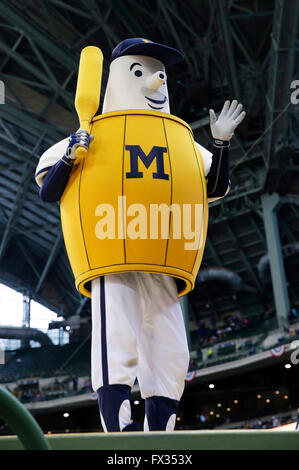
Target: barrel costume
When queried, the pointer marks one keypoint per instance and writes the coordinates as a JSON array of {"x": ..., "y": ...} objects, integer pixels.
[{"x": 121, "y": 179}]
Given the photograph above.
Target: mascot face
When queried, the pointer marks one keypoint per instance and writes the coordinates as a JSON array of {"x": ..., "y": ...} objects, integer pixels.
[{"x": 136, "y": 82}]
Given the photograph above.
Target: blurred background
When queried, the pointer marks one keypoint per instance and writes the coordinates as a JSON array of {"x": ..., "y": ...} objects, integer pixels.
[{"x": 242, "y": 318}]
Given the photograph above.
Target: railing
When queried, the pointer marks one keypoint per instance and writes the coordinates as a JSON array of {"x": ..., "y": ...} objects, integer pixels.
[{"x": 21, "y": 422}]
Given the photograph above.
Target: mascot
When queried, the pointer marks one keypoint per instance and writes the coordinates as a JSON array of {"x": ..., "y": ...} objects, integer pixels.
[{"x": 134, "y": 214}]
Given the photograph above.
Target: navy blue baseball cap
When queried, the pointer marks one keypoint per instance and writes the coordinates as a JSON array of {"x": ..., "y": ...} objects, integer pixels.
[{"x": 139, "y": 46}]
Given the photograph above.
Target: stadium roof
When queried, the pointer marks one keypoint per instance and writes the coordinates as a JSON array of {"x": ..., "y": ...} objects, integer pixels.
[{"x": 235, "y": 49}]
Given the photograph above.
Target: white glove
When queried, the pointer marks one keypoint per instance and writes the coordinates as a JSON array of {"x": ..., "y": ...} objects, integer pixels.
[{"x": 229, "y": 118}]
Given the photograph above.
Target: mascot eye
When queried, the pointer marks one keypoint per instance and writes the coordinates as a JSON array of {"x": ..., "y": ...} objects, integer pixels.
[{"x": 138, "y": 73}]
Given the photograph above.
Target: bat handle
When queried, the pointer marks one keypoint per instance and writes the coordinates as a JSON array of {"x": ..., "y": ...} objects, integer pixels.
[{"x": 81, "y": 151}]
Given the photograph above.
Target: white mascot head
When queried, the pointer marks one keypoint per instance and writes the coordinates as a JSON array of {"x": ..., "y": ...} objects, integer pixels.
[{"x": 137, "y": 77}]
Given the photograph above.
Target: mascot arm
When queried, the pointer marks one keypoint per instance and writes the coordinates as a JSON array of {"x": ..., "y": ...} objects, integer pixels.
[
  {"x": 216, "y": 166},
  {"x": 48, "y": 159},
  {"x": 55, "y": 180},
  {"x": 222, "y": 130},
  {"x": 53, "y": 172}
]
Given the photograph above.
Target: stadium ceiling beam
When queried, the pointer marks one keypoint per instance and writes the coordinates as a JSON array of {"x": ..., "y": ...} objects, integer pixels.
[
  {"x": 281, "y": 69},
  {"x": 213, "y": 252},
  {"x": 6, "y": 134},
  {"x": 172, "y": 29},
  {"x": 43, "y": 63},
  {"x": 243, "y": 256},
  {"x": 37, "y": 229},
  {"x": 226, "y": 28},
  {"x": 16, "y": 154},
  {"x": 258, "y": 231},
  {"x": 41, "y": 244},
  {"x": 295, "y": 211},
  {"x": 83, "y": 39},
  {"x": 71, "y": 8},
  {"x": 24, "y": 120},
  {"x": 290, "y": 200},
  {"x": 54, "y": 252},
  {"x": 31, "y": 83},
  {"x": 19, "y": 59},
  {"x": 53, "y": 14},
  {"x": 5, "y": 217},
  {"x": 112, "y": 36},
  {"x": 242, "y": 48},
  {"x": 28, "y": 258},
  {"x": 172, "y": 8},
  {"x": 200, "y": 123},
  {"x": 235, "y": 206},
  {"x": 13, "y": 48},
  {"x": 69, "y": 277},
  {"x": 285, "y": 229},
  {"x": 15, "y": 18},
  {"x": 19, "y": 199},
  {"x": 36, "y": 72},
  {"x": 11, "y": 154},
  {"x": 252, "y": 179},
  {"x": 127, "y": 18},
  {"x": 81, "y": 305}
]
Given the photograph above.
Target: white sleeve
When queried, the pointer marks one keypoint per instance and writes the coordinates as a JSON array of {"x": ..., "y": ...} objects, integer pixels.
[
  {"x": 206, "y": 157},
  {"x": 49, "y": 158}
]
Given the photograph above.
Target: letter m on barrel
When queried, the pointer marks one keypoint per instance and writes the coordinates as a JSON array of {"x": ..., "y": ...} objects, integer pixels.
[{"x": 156, "y": 153}]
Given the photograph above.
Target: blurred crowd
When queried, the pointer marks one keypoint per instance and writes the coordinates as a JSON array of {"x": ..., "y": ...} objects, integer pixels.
[
  {"x": 268, "y": 423},
  {"x": 213, "y": 334},
  {"x": 218, "y": 337},
  {"x": 58, "y": 389}
]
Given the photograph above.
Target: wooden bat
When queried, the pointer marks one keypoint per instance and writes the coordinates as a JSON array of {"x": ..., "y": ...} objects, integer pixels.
[{"x": 88, "y": 89}]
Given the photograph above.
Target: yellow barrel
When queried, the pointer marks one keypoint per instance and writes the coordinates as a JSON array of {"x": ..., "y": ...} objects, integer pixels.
[{"x": 137, "y": 201}]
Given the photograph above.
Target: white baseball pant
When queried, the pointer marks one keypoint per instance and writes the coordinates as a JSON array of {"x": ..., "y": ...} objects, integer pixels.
[{"x": 138, "y": 331}]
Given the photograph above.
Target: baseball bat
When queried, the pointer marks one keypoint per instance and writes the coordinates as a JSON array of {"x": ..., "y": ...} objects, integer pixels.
[{"x": 88, "y": 89}]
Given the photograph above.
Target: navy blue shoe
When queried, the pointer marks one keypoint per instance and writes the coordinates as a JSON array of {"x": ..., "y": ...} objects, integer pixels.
[
  {"x": 160, "y": 413},
  {"x": 132, "y": 427},
  {"x": 115, "y": 407}
]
